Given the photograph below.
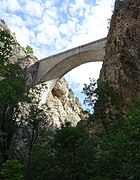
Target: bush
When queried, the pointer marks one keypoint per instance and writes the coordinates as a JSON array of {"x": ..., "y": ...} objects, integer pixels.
[
  {"x": 12, "y": 170},
  {"x": 29, "y": 49}
]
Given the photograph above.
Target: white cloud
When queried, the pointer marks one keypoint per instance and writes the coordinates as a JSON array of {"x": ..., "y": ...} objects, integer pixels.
[
  {"x": 51, "y": 13},
  {"x": 23, "y": 35},
  {"x": 77, "y": 40},
  {"x": 16, "y": 21},
  {"x": 47, "y": 34},
  {"x": 10, "y": 5},
  {"x": 77, "y": 8},
  {"x": 33, "y": 8}
]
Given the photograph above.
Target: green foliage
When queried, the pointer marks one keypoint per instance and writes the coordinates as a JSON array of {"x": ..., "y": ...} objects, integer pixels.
[
  {"x": 12, "y": 170},
  {"x": 41, "y": 164},
  {"x": 57, "y": 158},
  {"x": 36, "y": 121},
  {"x": 117, "y": 157},
  {"x": 6, "y": 42},
  {"x": 29, "y": 49},
  {"x": 67, "y": 137},
  {"x": 121, "y": 152},
  {"x": 107, "y": 107},
  {"x": 106, "y": 104},
  {"x": 12, "y": 91},
  {"x": 89, "y": 91},
  {"x": 12, "y": 84},
  {"x": 11, "y": 75}
]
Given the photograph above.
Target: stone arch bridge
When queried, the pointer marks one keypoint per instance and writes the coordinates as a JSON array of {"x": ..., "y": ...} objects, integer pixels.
[{"x": 52, "y": 68}]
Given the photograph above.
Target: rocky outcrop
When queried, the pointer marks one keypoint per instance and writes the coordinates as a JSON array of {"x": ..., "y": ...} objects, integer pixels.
[
  {"x": 61, "y": 104},
  {"x": 121, "y": 63}
]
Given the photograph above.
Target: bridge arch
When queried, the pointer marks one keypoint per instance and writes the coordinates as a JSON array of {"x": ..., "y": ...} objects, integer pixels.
[
  {"x": 69, "y": 63},
  {"x": 52, "y": 68}
]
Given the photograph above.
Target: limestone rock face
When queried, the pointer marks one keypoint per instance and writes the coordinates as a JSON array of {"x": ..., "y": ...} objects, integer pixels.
[
  {"x": 63, "y": 105},
  {"x": 121, "y": 63}
]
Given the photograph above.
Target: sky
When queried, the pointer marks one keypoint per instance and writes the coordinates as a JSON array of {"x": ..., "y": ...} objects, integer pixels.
[{"x": 53, "y": 26}]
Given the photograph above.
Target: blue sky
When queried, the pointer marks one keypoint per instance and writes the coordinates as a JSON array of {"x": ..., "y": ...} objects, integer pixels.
[{"x": 52, "y": 26}]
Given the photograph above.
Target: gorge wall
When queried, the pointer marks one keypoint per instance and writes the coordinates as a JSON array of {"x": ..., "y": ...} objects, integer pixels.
[{"x": 121, "y": 63}]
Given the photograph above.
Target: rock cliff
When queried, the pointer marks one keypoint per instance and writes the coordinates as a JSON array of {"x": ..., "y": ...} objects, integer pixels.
[
  {"x": 121, "y": 63},
  {"x": 61, "y": 104}
]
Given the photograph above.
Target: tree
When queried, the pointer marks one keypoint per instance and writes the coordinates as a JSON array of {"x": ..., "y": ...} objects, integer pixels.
[
  {"x": 105, "y": 101},
  {"x": 42, "y": 164},
  {"x": 89, "y": 92},
  {"x": 35, "y": 118},
  {"x": 12, "y": 91},
  {"x": 66, "y": 143}
]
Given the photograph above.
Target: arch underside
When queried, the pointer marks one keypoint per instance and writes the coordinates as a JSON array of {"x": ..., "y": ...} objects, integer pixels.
[{"x": 69, "y": 63}]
